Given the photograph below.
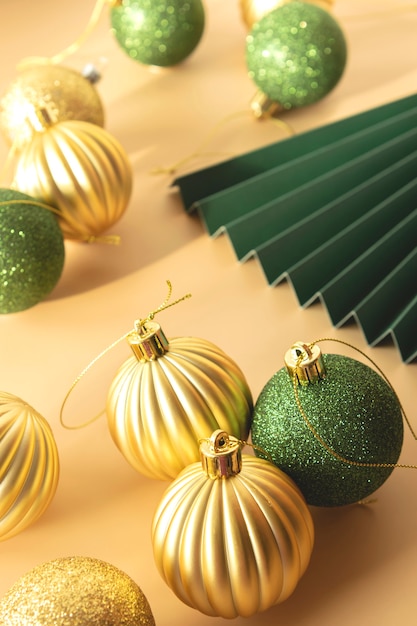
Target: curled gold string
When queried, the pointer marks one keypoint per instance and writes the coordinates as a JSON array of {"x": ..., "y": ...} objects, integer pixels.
[
  {"x": 73, "y": 47},
  {"x": 172, "y": 169},
  {"x": 108, "y": 239},
  {"x": 139, "y": 324},
  {"x": 41, "y": 205},
  {"x": 317, "y": 435}
]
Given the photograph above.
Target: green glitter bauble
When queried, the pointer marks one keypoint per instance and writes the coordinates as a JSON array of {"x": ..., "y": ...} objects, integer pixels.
[
  {"x": 296, "y": 54},
  {"x": 75, "y": 591},
  {"x": 31, "y": 251},
  {"x": 158, "y": 32},
  {"x": 353, "y": 410}
]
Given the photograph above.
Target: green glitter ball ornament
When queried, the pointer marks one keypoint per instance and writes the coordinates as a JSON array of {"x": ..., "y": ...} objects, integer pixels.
[
  {"x": 31, "y": 251},
  {"x": 351, "y": 417},
  {"x": 158, "y": 32},
  {"x": 296, "y": 54}
]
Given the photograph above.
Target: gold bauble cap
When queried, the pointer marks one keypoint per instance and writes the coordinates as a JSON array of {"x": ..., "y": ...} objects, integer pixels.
[
  {"x": 305, "y": 361},
  {"x": 264, "y": 107},
  {"x": 148, "y": 341},
  {"x": 221, "y": 455}
]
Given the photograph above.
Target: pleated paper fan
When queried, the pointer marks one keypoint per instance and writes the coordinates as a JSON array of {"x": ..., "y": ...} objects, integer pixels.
[{"x": 333, "y": 211}]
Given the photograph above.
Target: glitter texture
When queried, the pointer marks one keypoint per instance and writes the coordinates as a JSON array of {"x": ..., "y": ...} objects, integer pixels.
[
  {"x": 296, "y": 54},
  {"x": 75, "y": 591},
  {"x": 253, "y": 10},
  {"x": 65, "y": 92},
  {"x": 355, "y": 412},
  {"x": 31, "y": 252},
  {"x": 158, "y": 32}
]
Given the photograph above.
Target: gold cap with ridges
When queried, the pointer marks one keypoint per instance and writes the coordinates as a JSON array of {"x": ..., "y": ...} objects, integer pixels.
[
  {"x": 305, "y": 361},
  {"x": 221, "y": 455},
  {"x": 148, "y": 341}
]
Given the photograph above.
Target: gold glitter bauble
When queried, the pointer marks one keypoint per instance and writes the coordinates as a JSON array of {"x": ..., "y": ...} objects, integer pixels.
[
  {"x": 232, "y": 535},
  {"x": 29, "y": 465},
  {"x": 68, "y": 93},
  {"x": 169, "y": 395},
  {"x": 75, "y": 591},
  {"x": 80, "y": 169},
  {"x": 253, "y": 10}
]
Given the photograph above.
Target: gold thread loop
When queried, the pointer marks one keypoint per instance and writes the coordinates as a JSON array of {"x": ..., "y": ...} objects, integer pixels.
[
  {"x": 138, "y": 326},
  {"x": 320, "y": 439},
  {"x": 107, "y": 239},
  {"x": 41, "y": 205},
  {"x": 379, "y": 370},
  {"x": 73, "y": 47},
  {"x": 77, "y": 380},
  {"x": 199, "y": 152}
]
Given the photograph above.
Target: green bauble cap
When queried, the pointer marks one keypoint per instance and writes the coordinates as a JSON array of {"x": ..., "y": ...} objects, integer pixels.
[
  {"x": 296, "y": 54},
  {"x": 158, "y": 32},
  {"x": 31, "y": 251},
  {"x": 355, "y": 412}
]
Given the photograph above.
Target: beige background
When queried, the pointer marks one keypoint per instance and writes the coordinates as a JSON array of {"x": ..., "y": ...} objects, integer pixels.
[{"x": 363, "y": 569}]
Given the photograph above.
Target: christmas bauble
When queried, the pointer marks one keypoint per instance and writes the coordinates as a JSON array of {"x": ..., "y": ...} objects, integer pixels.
[
  {"x": 66, "y": 91},
  {"x": 169, "y": 395},
  {"x": 31, "y": 251},
  {"x": 29, "y": 465},
  {"x": 352, "y": 409},
  {"x": 75, "y": 591},
  {"x": 163, "y": 32},
  {"x": 296, "y": 54},
  {"x": 253, "y": 10},
  {"x": 80, "y": 169},
  {"x": 232, "y": 534}
]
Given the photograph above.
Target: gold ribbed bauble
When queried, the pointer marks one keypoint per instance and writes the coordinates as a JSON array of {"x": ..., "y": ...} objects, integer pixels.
[
  {"x": 253, "y": 10},
  {"x": 67, "y": 92},
  {"x": 169, "y": 395},
  {"x": 75, "y": 591},
  {"x": 80, "y": 169},
  {"x": 232, "y": 535},
  {"x": 29, "y": 465}
]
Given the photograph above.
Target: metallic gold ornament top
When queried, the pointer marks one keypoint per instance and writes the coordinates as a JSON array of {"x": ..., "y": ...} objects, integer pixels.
[
  {"x": 305, "y": 362},
  {"x": 29, "y": 466},
  {"x": 296, "y": 54},
  {"x": 253, "y": 10},
  {"x": 148, "y": 342},
  {"x": 67, "y": 92},
  {"x": 221, "y": 455},
  {"x": 159, "y": 408},
  {"x": 235, "y": 545},
  {"x": 75, "y": 591}
]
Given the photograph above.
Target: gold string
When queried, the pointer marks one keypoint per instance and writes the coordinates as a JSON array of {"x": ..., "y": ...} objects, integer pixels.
[
  {"x": 41, "y": 205},
  {"x": 73, "y": 47},
  {"x": 108, "y": 239},
  {"x": 172, "y": 169},
  {"x": 112, "y": 240},
  {"x": 317, "y": 435},
  {"x": 244, "y": 443},
  {"x": 137, "y": 326}
]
